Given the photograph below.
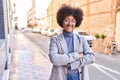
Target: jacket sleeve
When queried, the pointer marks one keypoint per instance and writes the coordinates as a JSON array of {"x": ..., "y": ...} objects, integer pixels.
[
  {"x": 88, "y": 57},
  {"x": 58, "y": 58}
]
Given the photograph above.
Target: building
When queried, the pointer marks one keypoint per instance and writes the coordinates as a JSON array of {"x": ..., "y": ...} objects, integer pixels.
[
  {"x": 31, "y": 19},
  {"x": 117, "y": 33},
  {"x": 36, "y": 16},
  {"x": 6, "y": 34},
  {"x": 100, "y": 17}
]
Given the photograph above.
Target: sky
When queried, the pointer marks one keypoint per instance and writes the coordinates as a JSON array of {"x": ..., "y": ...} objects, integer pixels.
[{"x": 22, "y": 6}]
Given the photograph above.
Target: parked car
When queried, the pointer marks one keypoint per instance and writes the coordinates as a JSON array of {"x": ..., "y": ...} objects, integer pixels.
[
  {"x": 87, "y": 36},
  {"x": 36, "y": 29},
  {"x": 26, "y": 29},
  {"x": 57, "y": 31},
  {"x": 50, "y": 32},
  {"x": 44, "y": 31},
  {"x": 53, "y": 32}
]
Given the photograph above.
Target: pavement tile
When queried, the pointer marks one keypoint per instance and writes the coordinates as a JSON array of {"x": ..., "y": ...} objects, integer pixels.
[{"x": 27, "y": 62}]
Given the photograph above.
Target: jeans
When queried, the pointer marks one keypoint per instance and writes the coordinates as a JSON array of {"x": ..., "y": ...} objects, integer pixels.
[{"x": 73, "y": 76}]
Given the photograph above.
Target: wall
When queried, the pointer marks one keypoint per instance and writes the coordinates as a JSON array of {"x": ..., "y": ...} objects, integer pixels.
[
  {"x": 117, "y": 36},
  {"x": 6, "y": 34},
  {"x": 2, "y": 41}
]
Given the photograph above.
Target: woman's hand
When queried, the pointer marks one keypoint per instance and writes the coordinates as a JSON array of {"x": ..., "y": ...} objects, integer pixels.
[{"x": 80, "y": 55}]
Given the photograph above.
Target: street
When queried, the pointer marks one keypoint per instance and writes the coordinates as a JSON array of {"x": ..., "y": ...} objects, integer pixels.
[{"x": 104, "y": 68}]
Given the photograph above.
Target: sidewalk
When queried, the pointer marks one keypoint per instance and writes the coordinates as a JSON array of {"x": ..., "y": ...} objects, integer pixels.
[{"x": 28, "y": 62}]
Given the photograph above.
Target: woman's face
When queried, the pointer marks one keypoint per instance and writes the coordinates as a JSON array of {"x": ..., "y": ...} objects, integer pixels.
[{"x": 69, "y": 23}]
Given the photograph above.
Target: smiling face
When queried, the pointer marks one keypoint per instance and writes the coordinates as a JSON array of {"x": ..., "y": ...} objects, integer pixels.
[{"x": 69, "y": 23}]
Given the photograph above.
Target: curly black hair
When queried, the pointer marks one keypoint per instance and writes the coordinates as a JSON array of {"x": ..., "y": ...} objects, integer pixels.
[{"x": 66, "y": 10}]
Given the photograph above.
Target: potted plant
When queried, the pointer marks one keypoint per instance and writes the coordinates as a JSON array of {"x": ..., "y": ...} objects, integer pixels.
[{"x": 97, "y": 36}]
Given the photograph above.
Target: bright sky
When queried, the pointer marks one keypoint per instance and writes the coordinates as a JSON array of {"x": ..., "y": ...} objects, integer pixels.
[{"x": 22, "y": 6}]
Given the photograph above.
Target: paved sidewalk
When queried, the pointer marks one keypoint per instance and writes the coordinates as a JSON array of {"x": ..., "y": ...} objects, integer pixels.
[{"x": 28, "y": 62}]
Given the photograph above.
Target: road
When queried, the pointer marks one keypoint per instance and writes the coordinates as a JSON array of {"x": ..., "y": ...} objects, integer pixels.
[{"x": 104, "y": 68}]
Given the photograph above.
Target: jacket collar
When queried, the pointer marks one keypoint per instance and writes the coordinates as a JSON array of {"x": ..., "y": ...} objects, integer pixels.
[{"x": 64, "y": 45}]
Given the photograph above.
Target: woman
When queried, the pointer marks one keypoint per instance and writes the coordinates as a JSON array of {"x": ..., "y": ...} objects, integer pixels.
[{"x": 68, "y": 51}]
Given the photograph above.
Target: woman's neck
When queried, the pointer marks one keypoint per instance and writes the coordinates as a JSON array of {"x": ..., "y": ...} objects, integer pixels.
[{"x": 67, "y": 34}]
